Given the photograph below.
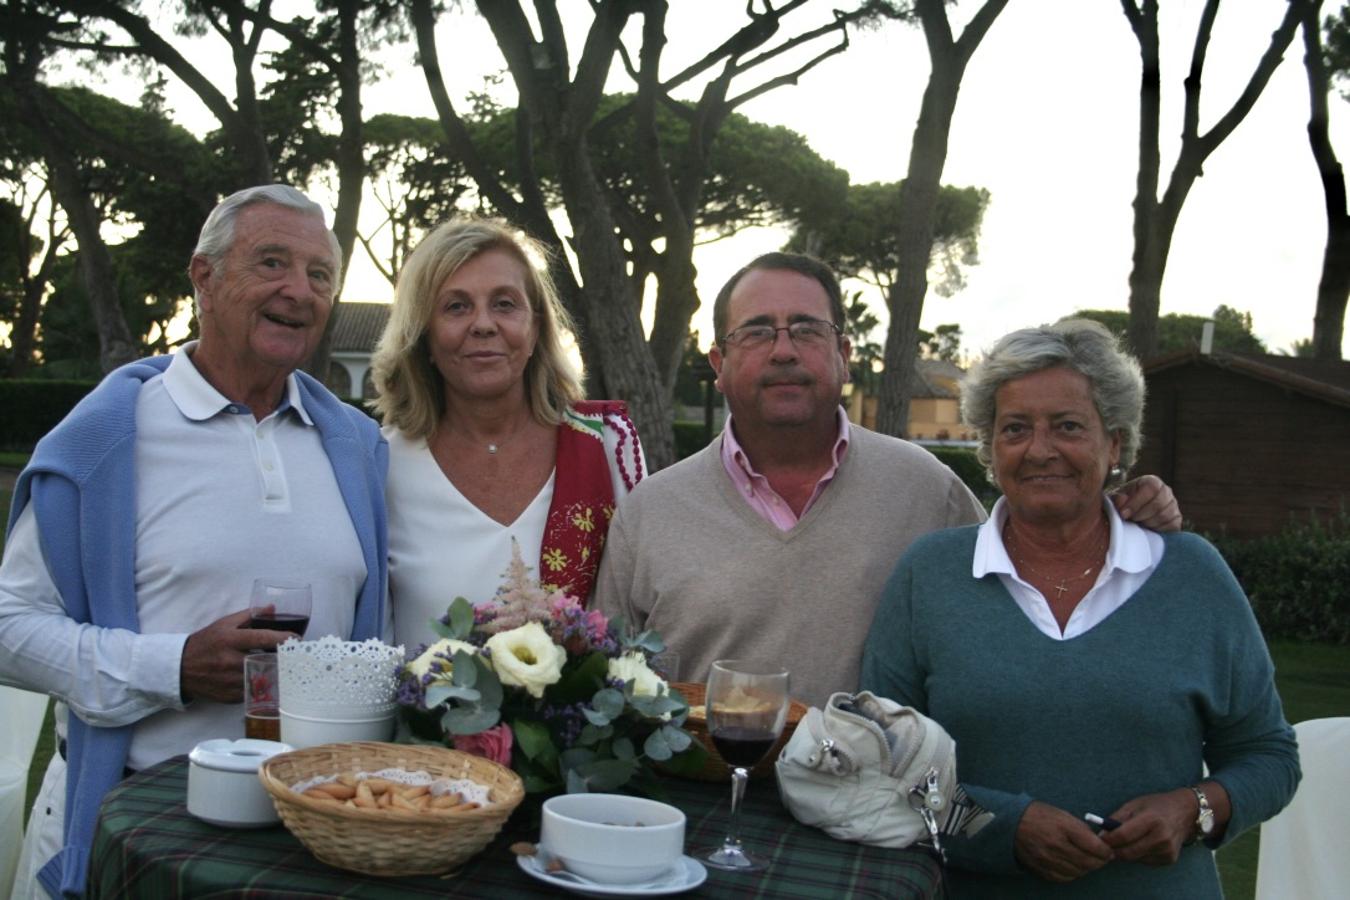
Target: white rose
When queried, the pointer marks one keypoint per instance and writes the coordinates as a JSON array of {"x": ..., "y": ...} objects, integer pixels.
[
  {"x": 442, "y": 651},
  {"x": 632, "y": 668},
  {"x": 527, "y": 657}
]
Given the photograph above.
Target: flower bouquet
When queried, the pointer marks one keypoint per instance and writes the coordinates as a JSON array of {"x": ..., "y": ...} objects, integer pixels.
[{"x": 559, "y": 693}]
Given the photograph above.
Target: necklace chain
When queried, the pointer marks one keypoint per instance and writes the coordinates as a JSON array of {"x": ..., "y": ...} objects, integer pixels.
[{"x": 1062, "y": 587}]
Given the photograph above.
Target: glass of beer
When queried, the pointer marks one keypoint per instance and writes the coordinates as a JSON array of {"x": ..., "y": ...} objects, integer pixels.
[{"x": 262, "y": 714}]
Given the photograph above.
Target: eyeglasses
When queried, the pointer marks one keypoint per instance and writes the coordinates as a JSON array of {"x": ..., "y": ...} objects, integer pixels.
[{"x": 803, "y": 333}]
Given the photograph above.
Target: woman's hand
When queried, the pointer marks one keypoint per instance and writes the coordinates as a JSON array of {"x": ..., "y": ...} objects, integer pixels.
[
  {"x": 1154, "y": 827},
  {"x": 1147, "y": 501},
  {"x": 1057, "y": 846}
]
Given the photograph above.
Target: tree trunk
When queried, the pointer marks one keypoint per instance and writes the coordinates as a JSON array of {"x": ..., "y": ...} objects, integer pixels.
[
  {"x": 914, "y": 243},
  {"x": 1144, "y": 286},
  {"x": 351, "y": 170},
  {"x": 919, "y": 193},
  {"x": 611, "y": 307},
  {"x": 1333, "y": 288},
  {"x": 116, "y": 346},
  {"x": 1155, "y": 222},
  {"x": 23, "y": 332}
]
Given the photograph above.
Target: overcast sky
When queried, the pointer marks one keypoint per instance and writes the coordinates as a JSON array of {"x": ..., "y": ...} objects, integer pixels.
[{"x": 1048, "y": 122}]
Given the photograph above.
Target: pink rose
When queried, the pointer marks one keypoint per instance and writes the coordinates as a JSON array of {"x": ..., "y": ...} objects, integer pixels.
[{"x": 493, "y": 744}]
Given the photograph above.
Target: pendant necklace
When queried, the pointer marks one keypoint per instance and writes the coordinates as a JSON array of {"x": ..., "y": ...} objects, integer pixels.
[{"x": 1062, "y": 587}]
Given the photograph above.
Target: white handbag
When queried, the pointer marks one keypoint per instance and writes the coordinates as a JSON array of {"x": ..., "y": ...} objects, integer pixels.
[{"x": 867, "y": 769}]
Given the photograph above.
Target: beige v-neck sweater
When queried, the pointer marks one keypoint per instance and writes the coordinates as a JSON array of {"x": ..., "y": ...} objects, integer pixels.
[{"x": 687, "y": 556}]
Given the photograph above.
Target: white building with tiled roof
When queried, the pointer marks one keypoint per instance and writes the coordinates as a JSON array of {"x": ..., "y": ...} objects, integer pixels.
[{"x": 356, "y": 329}]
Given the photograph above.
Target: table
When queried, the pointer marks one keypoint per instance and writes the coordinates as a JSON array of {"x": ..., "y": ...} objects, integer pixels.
[{"x": 147, "y": 845}]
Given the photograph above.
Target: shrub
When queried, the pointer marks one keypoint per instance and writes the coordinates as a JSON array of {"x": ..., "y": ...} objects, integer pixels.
[
  {"x": 29, "y": 408},
  {"x": 963, "y": 462},
  {"x": 1298, "y": 581},
  {"x": 690, "y": 438}
]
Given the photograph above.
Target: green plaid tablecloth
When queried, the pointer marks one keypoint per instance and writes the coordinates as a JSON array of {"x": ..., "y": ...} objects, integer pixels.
[{"x": 147, "y": 845}]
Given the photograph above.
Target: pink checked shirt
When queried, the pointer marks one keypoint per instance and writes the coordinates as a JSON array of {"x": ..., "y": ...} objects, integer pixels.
[{"x": 755, "y": 488}]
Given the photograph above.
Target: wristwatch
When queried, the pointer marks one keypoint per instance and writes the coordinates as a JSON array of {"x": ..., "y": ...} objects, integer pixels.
[{"x": 1204, "y": 821}]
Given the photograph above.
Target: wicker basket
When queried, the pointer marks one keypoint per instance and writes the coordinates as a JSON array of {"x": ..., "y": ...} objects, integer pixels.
[
  {"x": 715, "y": 768},
  {"x": 389, "y": 841}
]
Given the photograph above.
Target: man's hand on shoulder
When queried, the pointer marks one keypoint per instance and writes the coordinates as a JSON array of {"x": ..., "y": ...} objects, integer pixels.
[
  {"x": 213, "y": 658},
  {"x": 1147, "y": 501}
]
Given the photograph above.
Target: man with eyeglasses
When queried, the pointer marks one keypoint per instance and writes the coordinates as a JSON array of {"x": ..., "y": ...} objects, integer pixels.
[{"x": 773, "y": 543}]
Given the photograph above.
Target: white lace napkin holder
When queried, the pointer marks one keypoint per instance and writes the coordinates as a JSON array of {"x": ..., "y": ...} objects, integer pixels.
[{"x": 336, "y": 679}]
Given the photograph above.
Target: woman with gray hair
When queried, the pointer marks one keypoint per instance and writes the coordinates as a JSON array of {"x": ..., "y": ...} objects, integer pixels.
[
  {"x": 1089, "y": 670},
  {"x": 490, "y": 443}
]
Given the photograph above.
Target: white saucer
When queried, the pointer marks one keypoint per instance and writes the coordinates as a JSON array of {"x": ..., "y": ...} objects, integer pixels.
[{"x": 687, "y": 874}]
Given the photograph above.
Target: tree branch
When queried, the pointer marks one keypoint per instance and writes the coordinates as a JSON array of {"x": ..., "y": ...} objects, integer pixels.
[
  {"x": 1274, "y": 55},
  {"x": 456, "y": 134}
]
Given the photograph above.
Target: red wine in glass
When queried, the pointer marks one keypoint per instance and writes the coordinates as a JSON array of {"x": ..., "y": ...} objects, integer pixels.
[
  {"x": 743, "y": 746},
  {"x": 277, "y": 621},
  {"x": 280, "y": 605},
  {"x": 747, "y": 705}
]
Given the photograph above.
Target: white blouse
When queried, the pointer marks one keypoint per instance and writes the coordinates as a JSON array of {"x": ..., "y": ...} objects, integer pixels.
[
  {"x": 441, "y": 546},
  {"x": 1131, "y": 557}
]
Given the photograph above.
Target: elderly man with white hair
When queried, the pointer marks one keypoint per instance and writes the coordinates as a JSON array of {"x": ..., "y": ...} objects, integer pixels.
[{"x": 143, "y": 518}]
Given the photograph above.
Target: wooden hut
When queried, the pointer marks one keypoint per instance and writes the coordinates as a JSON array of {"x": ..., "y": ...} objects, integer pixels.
[{"x": 1248, "y": 442}]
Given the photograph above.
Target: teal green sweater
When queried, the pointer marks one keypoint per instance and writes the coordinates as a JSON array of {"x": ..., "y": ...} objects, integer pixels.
[{"x": 1177, "y": 677}]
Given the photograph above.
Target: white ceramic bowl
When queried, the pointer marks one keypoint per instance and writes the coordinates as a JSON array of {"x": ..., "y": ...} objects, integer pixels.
[
  {"x": 223, "y": 785},
  {"x": 301, "y": 731},
  {"x": 612, "y": 838}
]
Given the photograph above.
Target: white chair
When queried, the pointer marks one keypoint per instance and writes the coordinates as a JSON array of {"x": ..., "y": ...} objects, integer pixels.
[
  {"x": 1305, "y": 852},
  {"x": 24, "y": 711}
]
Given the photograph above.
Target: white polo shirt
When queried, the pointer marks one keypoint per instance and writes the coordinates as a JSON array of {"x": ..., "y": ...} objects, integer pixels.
[{"x": 220, "y": 500}]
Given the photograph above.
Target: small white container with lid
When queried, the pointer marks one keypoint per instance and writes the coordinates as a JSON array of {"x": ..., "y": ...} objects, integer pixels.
[{"x": 223, "y": 785}]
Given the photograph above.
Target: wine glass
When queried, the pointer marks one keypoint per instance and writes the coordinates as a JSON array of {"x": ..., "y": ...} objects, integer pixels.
[
  {"x": 280, "y": 605},
  {"x": 747, "y": 704}
]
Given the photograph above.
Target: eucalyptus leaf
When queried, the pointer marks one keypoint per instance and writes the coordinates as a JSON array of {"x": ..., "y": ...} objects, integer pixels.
[
  {"x": 678, "y": 739},
  {"x": 623, "y": 748},
  {"x": 441, "y": 691},
  {"x": 657, "y": 747},
  {"x": 573, "y": 757},
  {"x": 649, "y": 641},
  {"x": 592, "y": 735},
  {"x": 689, "y": 763},
  {"x": 576, "y": 784},
  {"x": 655, "y": 707},
  {"x": 461, "y": 618},
  {"x": 580, "y": 679},
  {"x": 442, "y": 629},
  {"x": 608, "y": 702},
  {"x": 469, "y": 719},
  {"x": 538, "y": 784},
  {"x": 594, "y": 717},
  {"x": 606, "y": 774},
  {"x": 487, "y": 681},
  {"x": 464, "y": 673},
  {"x": 534, "y": 741}
]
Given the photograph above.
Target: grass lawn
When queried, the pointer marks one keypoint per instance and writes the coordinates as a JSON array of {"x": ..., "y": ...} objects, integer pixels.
[{"x": 1314, "y": 682}]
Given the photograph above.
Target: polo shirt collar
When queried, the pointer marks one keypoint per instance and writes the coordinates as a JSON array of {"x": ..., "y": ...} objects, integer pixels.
[
  {"x": 1127, "y": 552},
  {"x": 732, "y": 450},
  {"x": 198, "y": 400}
]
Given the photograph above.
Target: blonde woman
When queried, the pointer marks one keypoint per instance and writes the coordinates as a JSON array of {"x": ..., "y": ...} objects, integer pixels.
[{"x": 489, "y": 439}]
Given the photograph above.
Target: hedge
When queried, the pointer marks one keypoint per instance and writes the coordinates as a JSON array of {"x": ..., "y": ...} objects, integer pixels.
[
  {"x": 31, "y": 407},
  {"x": 1298, "y": 581}
]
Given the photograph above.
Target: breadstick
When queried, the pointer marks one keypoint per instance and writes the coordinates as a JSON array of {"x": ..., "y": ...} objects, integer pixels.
[
  {"x": 446, "y": 801},
  {"x": 364, "y": 797},
  {"x": 335, "y": 790}
]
